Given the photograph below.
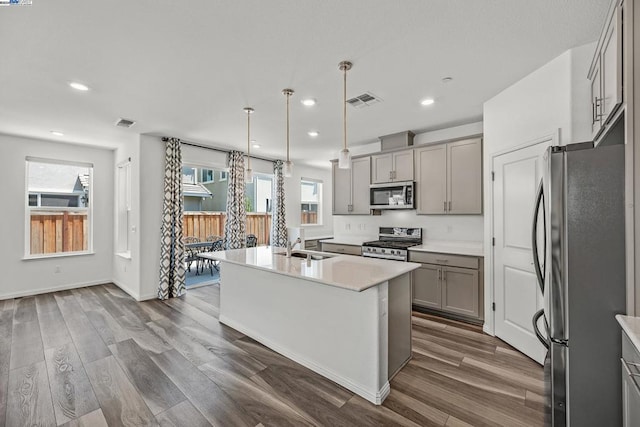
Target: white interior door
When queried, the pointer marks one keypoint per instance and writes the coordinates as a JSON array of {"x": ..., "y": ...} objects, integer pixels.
[{"x": 516, "y": 292}]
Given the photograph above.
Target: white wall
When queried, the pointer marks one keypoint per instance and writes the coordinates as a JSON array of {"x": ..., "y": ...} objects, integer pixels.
[
  {"x": 434, "y": 227},
  {"x": 28, "y": 277},
  {"x": 151, "y": 199},
  {"x": 552, "y": 100}
]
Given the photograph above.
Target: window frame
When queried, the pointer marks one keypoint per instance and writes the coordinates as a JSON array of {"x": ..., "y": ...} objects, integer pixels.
[
  {"x": 124, "y": 166},
  {"x": 319, "y": 203},
  {"x": 213, "y": 175},
  {"x": 29, "y": 209}
]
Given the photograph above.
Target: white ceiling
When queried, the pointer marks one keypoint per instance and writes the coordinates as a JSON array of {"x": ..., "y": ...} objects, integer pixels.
[{"x": 187, "y": 69}]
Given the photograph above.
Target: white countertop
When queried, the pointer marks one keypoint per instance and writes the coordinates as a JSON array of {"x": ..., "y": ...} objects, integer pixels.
[
  {"x": 344, "y": 271},
  {"x": 349, "y": 240},
  {"x": 451, "y": 247},
  {"x": 631, "y": 325}
]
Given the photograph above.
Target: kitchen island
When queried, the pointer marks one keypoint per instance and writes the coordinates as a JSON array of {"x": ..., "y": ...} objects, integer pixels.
[{"x": 345, "y": 317}]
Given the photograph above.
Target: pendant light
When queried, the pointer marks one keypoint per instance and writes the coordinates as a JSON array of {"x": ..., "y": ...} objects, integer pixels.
[
  {"x": 288, "y": 165},
  {"x": 344, "y": 158},
  {"x": 248, "y": 175}
]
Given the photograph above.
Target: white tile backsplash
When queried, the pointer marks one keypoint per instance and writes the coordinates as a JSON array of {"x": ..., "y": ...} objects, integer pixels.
[{"x": 434, "y": 227}]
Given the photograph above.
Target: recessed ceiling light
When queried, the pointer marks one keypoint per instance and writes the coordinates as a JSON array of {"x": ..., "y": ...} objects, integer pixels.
[
  {"x": 446, "y": 79},
  {"x": 308, "y": 102},
  {"x": 313, "y": 133},
  {"x": 256, "y": 145},
  {"x": 56, "y": 133},
  {"x": 427, "y": 101},
  {"x": 79, "y": 86}
]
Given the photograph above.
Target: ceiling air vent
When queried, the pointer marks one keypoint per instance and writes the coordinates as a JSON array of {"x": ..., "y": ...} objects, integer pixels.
[
  {"x": 125, "y": 123},
  {"x": 365, "y": 100}
]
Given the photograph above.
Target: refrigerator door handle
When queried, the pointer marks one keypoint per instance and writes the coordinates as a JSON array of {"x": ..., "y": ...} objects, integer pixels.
[
  {"x": 536, "y": 317},
  {"x": 540, "y": 271}
]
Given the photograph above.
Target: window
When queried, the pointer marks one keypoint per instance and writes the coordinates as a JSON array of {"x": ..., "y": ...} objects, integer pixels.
[
  {"x": 258, "y": 193},
  {"x": 123, "y": 208},
  {"x": 58, "y": 199},
  {"x": 189, "y": 175},
  {"x": 223, "y": 175},
  {"x": 310, "y": 202},
  {"x": 207, "y": 176}
]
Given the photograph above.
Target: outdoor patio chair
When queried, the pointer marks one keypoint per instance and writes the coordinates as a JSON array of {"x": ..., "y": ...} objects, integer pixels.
[
  {"x": 190, "y": 254},
  {"x": 252, "y": 241},
  {"x": 216, "y": 245}
]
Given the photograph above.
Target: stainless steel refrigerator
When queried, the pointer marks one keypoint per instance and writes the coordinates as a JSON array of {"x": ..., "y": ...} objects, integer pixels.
[{"x": 579, "y": 256}]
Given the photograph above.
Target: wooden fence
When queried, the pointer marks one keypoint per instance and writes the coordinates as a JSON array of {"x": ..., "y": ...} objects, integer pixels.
[
  {"x": 53, "y": 232},
  {"x": 204, "y": 224},
  {"x": 307, "y": 217}
]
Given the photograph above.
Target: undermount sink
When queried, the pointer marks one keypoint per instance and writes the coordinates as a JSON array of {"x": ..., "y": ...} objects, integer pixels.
[{"x": 316, "y": 256}]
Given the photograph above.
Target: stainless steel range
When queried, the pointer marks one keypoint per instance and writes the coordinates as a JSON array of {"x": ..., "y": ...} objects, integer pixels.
[{"x": 393, "y": 244}]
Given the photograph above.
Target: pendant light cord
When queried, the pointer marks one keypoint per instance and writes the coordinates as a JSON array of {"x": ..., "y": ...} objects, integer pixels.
[
  {"x": 344, "y": 107},
  {"x": 288, "y": 95},
  {"x": 248, "y": 140}
]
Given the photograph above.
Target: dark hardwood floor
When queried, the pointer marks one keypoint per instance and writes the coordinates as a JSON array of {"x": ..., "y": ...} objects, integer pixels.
[{"x": 95, "y": 357}]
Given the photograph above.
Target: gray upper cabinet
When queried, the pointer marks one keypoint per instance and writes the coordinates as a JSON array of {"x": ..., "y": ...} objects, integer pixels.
[
  {"x": 360, "y": 181},
  {"x": 449, "y": 178},
  {"x": 464, "y": 177},
  {"x": 341, "y": 190},
  {"x": 351, "y": 188},
  {"x": 605, "y": 73},
  {"x": 431, "y": 179},
  {"x": 392, "y": 167}
]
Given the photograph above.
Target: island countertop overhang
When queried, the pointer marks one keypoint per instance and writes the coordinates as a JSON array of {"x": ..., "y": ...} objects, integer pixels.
[{"x": 344, "y": 271}]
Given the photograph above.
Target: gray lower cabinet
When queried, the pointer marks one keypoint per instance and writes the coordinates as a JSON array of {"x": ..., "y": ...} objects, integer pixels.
[
  {"x": 630, "y": 383},
  {"x": 460, "y": 291},
  {"x": 429, "y": 291},
  {"x": 448, "y": 283},
  {"x": 312, "y": 244},
  {"x": 341, "y": 249}
]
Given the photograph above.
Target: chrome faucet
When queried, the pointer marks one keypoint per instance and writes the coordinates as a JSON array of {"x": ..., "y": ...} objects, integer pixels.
[{"x": 290, "y": 246}]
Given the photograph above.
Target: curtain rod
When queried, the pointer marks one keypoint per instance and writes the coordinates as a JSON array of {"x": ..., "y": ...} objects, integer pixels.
[{"x": 206, "y": 147}]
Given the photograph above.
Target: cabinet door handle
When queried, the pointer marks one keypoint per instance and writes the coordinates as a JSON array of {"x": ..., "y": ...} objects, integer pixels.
[
  {"x": 439, "y": 274},
  {"x": 390, "y": 175},
  {"x": 449, "y": 205},
  {"x": 444, "y": 275},
  {"x": 442, "y": 261},
  {"x": 445, "y": 206}
]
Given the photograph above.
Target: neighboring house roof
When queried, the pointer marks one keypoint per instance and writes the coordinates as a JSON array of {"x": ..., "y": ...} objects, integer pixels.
[
  {"x": 195, "y": 190},
  {"x": 54, "y": 178},
  {"x": 84, "y": 181}
]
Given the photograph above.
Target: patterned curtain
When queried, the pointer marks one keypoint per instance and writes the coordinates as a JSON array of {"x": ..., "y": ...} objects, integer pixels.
[
  {"x": 235, "y": 225},
  {"x": 278, "y": 221},
  {"x": 172, "y": 246}
]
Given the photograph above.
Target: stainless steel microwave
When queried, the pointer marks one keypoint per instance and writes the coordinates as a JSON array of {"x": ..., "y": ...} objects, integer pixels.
[{"x": 392, "y": 195}]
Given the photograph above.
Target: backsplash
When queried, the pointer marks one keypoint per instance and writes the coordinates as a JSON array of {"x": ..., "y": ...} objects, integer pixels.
[{"x": 434, "y": 227}]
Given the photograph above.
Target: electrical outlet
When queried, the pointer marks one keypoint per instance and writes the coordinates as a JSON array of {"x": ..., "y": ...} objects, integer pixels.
[{"x": 57, "y": 269}]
